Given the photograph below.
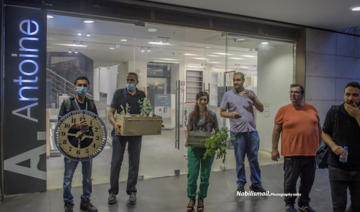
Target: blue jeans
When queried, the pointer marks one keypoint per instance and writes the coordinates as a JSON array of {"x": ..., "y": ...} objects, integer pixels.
[
  {"x": 248, "y": 143},
  {"x": 70, "y": 167}
]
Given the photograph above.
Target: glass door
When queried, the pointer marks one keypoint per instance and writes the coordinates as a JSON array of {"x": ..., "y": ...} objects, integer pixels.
[{"x": 159, "y": 60}]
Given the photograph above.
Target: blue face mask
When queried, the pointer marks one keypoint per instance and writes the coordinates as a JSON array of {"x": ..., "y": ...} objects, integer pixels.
[
  {"x": 130, "y": 86},
  {"x": 81, "y": 91}
]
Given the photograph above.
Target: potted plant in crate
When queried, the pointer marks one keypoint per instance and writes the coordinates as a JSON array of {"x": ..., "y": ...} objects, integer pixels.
[
  {"x": 146, "y": 110},
  {"x": 216, "y": 143},
  {"x": 139, "y": 124}
]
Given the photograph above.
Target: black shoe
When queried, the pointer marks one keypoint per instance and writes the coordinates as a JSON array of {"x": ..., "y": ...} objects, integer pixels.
[
  {"x": 112, "y": 198},
  {"x": 305, "y": 208},
  {"x": 132, "y": 198},
  {"x": 257, "y": 188},
  {"x": 241, "y": 189},
  {"x": 290, "y": 208},
  {"x": 86, "y": 205},
  {"x": 69, "y": 207}
]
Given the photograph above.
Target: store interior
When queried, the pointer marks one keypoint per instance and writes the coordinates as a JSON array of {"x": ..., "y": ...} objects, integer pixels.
[{"x": 105, "y": 51}]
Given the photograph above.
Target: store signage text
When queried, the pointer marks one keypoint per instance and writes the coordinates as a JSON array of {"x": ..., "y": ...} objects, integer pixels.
[
  {"x": 28, "y": 66},
  {"x": 24, "y": 100}
]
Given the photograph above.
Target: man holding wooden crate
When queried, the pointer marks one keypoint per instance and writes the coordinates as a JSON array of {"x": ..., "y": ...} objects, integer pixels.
[{"x": 131, "y": 96}]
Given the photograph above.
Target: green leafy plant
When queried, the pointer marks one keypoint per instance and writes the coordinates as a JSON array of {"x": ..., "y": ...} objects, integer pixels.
[
  {"x": 145, "y": 107},
  {"x": 216, "y": 144},
  {"x": 122, "y": 110}
]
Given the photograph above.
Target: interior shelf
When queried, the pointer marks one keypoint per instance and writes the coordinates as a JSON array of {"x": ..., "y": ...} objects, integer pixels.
[{"x": 194, "y": 79}]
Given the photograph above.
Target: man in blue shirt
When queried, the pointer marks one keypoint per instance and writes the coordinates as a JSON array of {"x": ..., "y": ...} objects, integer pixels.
[{"x": 239, "y": 104}]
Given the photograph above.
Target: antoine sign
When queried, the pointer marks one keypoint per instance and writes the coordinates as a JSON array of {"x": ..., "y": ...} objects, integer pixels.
[{"x": 24, "y": 103}]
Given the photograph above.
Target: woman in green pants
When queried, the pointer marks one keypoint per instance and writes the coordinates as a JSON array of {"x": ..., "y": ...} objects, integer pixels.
[{"x": 201, "y": 118}]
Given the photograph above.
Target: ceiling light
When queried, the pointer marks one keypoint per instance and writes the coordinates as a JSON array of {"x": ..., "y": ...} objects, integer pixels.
[
  {"x": 240, "y": 39},
  {"x": 88, "y": 35},
  {"x": 111, "y": 48},
  {"x": 50, "y": 16},
  {"x": 189, "y": 54},
  {"x": 355, "y": 8},
  {"x": 76, "y": 51},
  {"x": 152, "y": 30},
  {"x": 213, "y": 62},
  {"x": 149, "y": 50},
  {"x": 248, "y": 56},
  {"x": 69, "y": 51},
  {"x": 244, "y": 67},
  {"x": 264, "y": 43},
  {"x": 223, "y": 53},
  {"x": 207, "y": 47},
  {"x": 213, "y": 56},
  {"x": 123, "y": 40},
  {"x": 199, "y": 58},
  {"x": 236, "y": 58},
  {"x": 159, "y": 43},
  {"x": 75, "y": 45},
  {"x": 79, "y": 34},
  {"x": 161, "y": 61},
  {"x": 166, "y": 59},
  {"x": 88, "y": 21}
]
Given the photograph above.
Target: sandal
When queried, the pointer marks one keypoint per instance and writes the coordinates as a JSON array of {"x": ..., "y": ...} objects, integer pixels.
[
  {"x": 200, "y": 204},
  {"x": 190, "y": 206}
]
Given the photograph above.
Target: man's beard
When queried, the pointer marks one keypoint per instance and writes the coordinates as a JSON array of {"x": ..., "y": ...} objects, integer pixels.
[{"x": 351, "y": 102}]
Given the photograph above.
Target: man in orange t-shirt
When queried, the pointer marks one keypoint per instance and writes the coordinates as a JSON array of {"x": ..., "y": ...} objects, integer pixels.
[{"x": 299, "y": 124}]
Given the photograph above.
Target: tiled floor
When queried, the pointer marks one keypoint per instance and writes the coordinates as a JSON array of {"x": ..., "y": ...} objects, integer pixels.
[{"x": 169, "y": 194}]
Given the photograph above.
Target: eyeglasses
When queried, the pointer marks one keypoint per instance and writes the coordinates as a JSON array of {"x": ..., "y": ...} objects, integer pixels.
[{"x": 294, "y": 92}]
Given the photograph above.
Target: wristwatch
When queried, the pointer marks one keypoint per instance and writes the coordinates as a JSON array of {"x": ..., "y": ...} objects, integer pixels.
[{"x": 253, "y": 98}]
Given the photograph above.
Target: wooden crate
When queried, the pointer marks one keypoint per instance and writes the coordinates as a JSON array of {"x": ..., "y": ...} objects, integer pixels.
[
  {"x": 136, "y": 125},
  {"x": 194, "y": 138}
]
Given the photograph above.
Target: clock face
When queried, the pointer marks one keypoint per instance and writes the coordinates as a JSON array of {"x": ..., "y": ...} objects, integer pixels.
[{"x": 76, "y": 144}]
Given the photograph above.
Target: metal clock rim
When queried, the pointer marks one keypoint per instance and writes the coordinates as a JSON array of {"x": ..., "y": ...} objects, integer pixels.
[{"x": 74, "y": 112}]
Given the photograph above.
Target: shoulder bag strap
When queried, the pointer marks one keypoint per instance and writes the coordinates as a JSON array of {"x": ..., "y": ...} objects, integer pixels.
[{"x": 336, "y": 118}]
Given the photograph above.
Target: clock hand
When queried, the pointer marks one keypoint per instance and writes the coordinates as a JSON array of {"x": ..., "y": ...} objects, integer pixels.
[{"x": 71, "y": 134}]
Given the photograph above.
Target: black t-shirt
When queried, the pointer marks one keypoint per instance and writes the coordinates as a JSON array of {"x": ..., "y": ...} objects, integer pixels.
[
  {"x": 82, "y": 106},
  {"x": 122, "y": 96},
  {"x": 87, "y": 141},
  {"x": 347, "y": 134}
]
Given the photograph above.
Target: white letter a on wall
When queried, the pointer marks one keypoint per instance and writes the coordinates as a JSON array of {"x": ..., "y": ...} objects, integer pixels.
[
  {"x": 28, "y": 112},
  {"x": 34, "y": 156}
]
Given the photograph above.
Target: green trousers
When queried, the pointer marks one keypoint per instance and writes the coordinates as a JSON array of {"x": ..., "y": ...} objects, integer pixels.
[{"x": 196, "y": 164}]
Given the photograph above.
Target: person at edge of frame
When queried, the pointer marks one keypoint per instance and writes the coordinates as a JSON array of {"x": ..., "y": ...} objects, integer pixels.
[
  {"x": 80, "y": 102},
  {"x": 201, "y": 118},
  {"x": 299, "y": 126},
  {"x": 239, "y": 103},
  {"x": 347, "y": 133},
  {"x": 132, "y": 96}
]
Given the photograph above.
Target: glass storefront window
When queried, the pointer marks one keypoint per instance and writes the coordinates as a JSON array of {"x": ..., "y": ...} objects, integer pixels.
[{"x": 161, "y": 55}]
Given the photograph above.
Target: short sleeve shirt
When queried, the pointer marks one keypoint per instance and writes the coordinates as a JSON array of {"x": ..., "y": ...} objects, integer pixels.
[
  {"x": 201, "y": 125},
  {"x": 300, "y": 130},
  {"x": 122, "y": 96},
  {"x": 235, "y": 103}
]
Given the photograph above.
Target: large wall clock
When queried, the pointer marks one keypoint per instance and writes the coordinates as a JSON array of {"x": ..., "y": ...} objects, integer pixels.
[{"x": 76, "y": 144}]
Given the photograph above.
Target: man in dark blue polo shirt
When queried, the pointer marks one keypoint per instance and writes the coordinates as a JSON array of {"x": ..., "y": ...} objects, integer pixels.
[
  {"x": 132, "y": 96},
  {"x": 347, "y": 133}
]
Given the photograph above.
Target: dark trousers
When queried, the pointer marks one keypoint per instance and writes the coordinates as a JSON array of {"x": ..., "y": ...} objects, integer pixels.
[
  {"x": 305, "y": 167},
  {"x": 340, "y": 180},
  {"x": 134, "y": 148}
]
